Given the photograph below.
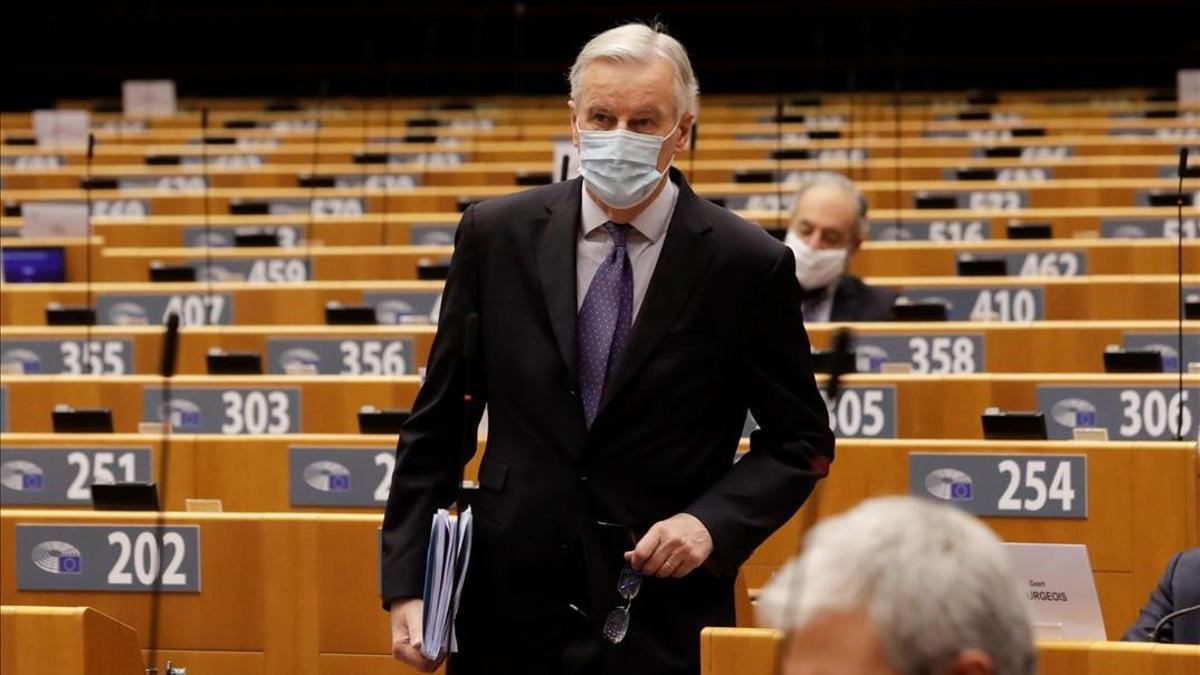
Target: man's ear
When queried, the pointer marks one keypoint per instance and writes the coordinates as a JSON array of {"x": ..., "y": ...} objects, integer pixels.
[
  {"x": 574, "y": 123},
  {"x": 856, "y": 241},
  {"x": 684, "y": 139},
  {"x": 972, "y": 662}
]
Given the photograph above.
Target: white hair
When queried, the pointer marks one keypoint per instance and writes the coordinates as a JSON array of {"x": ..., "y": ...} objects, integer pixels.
[
  {"x": 933, "y": 579},
  {"x": 639, "y": 43},
  {"x": 812, "y": 179}
]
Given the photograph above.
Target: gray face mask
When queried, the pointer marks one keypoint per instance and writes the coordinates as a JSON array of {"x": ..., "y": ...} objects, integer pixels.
[{"x": 620, "y": 166}]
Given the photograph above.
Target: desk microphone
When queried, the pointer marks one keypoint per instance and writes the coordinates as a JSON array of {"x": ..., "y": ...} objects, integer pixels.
[
  {"x": 1182, "y": 171},
  {"x": 86, "y": 366},
  {"x": 166, "y": 371},
  {"x": 843, "y": 363},
  {"x": 1153, "y": 635}
]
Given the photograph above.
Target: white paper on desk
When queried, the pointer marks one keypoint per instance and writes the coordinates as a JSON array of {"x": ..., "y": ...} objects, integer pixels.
[
  {"x": 62, "y": 129},
  {"x": 1188, "y": 85},
  {"x": 51, "y": 220},
  {"x": 445, "y": 568},
  {"x": 148, "y": 98}
]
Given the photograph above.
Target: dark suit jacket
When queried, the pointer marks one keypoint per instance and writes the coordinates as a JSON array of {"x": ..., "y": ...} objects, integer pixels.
[
  {"x": 1179, "y": 588},
  {"x": 719, "y": 331},
  {"x": 853, "y": 300}
]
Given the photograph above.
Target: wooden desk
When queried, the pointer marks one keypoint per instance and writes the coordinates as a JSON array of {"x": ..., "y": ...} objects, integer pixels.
[
  {"x": 1096, "y": 297},
  {"x": 134, "y": 150},
  {"x": 926, "y": 406},
  {"x": 416, "y": 228},
  {"x": 352, "y": 201},
  {"x": 753, "y": 651},
  {"x": 327, "y": 404},
  {"x": 66, "y": 641},
  {"x": 1042, "y": 347},
  {"x": 68, "y": 177},
  {"x": 875, "y": 259}
]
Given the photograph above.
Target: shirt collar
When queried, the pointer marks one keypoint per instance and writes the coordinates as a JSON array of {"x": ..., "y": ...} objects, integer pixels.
[{"x": 651, "y": 223}]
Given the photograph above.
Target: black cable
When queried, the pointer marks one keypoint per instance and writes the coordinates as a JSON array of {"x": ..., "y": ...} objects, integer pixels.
[
  {"x": 86, "y": 365},
  {"x": 208, "y": 264},
  {"x": 166, "y": 372},
  {"x": 1183, "y": 157}
]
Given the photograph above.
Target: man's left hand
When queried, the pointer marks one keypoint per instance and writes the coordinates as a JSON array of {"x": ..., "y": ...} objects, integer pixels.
[{"x": 672, "y": 547}]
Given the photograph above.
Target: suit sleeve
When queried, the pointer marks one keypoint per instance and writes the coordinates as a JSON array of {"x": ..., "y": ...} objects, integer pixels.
[
  {"x": 1159, "y": 605},
  {"x": 793, "y": 447},
  {"x": 429, "y": 453}
]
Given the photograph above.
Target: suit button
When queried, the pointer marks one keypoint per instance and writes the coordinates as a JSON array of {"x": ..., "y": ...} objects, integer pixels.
[{"x": 571, "y": 393}]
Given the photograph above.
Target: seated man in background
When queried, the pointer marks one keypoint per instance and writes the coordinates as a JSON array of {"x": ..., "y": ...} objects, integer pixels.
[
  {"x": 1178, "y": 591},
  {"x": 828, "y": 224},
  {"x": 900, "y": 586}
]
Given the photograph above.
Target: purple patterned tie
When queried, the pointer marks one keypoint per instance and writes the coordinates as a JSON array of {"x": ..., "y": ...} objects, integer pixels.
[{"x": 603, "y": 326}]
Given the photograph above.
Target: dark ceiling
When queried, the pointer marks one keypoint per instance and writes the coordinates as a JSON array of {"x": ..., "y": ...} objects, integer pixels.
[{"x": 347, "y": 47}]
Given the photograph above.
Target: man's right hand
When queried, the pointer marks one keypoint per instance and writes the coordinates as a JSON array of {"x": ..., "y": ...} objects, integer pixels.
[{"x": 406, "y": 634}]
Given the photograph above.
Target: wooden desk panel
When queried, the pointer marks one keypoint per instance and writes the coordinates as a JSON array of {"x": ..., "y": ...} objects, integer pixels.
[{"x": 1096, "y": 297}]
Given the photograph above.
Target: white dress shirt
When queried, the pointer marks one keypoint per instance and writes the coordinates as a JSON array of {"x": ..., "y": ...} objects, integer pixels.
[
  {"x": 644, "y": 243},
  {"x": 817, "y": 309}
]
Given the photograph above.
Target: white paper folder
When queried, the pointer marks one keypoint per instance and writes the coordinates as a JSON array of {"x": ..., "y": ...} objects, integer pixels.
[{"x": 445, "y": 572}]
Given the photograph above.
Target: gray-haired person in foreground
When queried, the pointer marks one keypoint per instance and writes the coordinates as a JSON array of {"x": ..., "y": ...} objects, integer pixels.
[{"x": 900, "y": 586}]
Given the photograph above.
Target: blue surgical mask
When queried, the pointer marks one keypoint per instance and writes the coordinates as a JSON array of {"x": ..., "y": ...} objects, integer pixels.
[{"x": 620, "y": 166}]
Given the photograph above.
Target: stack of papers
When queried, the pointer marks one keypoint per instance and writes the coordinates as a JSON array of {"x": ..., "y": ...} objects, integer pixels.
[{"x": 445, "y": 571}]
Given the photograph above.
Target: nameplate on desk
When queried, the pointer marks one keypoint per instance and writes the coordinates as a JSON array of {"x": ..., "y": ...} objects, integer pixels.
[
  {"x": 781, "y": 201},
  {"x": 985, "y": 303},
  {"x": 239, "y": 161},
  {"x": 1134, "y": 413},
  {"x": 979, "y": 200},
  {"x": 1166, "y": 344},
  {"x": 252, "y": 270},
  {"x": 194, "y": 309},
  {"x": 121, "y": 558},
  {"x": 928, "y": 354},
  {"x": 972, "y": 134},
  {"x": 345, "y": 477},
  {"x": 931, "y": 230},
  {"x": 1059, "y": 590},
  {"x": 317, "y": 206},
  {"x": 342, "y": 356},
  {"x": 834, "y": 155},
  {"x": 225, "y": 410},
  {"x": 52, "y": 356},
  {"x": 1027, "y": 153},
  {"x": 1161, "y": 133},
  {"x": 1071, "y": 263},
  {"x": 1164, "y": 197},
  {"x": 120, "y": 208},
  {"x": 288, "y": 236},
  {"x": 1005, "y": 485},
  {"x": 1016, "y": 174},
  {"x": 63, "y": 476},
  {"x": 431, "y": 234},
  {"x": 1149, "y": 228},
  {"x": 378, "y": 181},
  {"x": 427, "y": 158},
  {"x": 163, "y": 183},
  {"x": 413, "y": 307},
  {"x": 122, "y": 126},
  {"x": 32, "y": 162}
]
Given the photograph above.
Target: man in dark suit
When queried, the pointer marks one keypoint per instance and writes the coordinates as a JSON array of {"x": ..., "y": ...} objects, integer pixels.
[
  {"x": 626, "y": 327},
  {"x": 1179, "y": 589},
  {"x": 828, "y": 224}
]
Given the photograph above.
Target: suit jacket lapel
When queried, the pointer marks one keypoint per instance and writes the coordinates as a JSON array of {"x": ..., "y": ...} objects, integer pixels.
[
  {"x": 685, "y": 256},
  {"x": 843, "y": 300},
  {"x": 556, "y": 267}
]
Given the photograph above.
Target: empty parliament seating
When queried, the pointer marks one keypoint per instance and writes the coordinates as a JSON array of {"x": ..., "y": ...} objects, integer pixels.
[{"x": 260, "y": 228}]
